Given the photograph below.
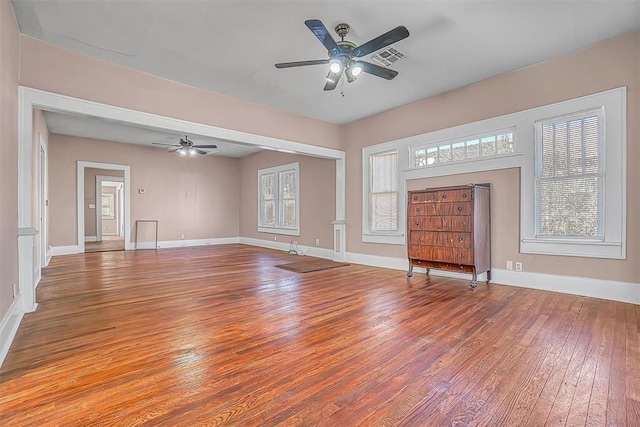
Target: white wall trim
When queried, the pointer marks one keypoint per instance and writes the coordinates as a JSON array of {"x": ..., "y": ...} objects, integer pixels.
[
  {"x": 285, "y": 246},
  {"x": 90, "y": 239},
  {"x": 30, "y": 99},
  {"x": 48, "y": 256},
  {"x": 64, "y": 250},
  {"x": 37, "y": 275},
  {"x": 585, "y": 286},
  {"x": 165, "y": 244},
  {"x": 9, "y": 326},
  {"x": 80, "y": 199}
]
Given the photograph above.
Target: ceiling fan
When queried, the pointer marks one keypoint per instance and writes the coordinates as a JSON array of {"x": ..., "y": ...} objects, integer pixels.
[
  {"x": 343, "y": 54},
  {"x": 186, "y": 146}
]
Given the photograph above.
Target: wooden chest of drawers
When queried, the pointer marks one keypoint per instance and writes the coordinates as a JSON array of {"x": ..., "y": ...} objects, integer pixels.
[{"x": 449, "y": 228}]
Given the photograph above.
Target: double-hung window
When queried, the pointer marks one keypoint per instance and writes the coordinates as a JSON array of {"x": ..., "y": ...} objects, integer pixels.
[
  {"x": 382, "y": 216},
  {"x": 570, "y": 171},
  {"x": 573, "y": 199},
  {"x": 279, "y": 199}
]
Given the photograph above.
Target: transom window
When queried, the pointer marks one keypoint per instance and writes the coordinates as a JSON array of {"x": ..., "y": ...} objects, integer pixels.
[
  {"x": 471, "y": 148},
  {"x": 278, "y": 199}
]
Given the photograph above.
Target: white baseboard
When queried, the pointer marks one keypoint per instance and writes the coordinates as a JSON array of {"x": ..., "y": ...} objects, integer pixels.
[
  {"x": 584, "y": 286},
  {"x": 285, "y": 246},
  {"x": 9, "y": 326},
  {"x": 185, "y": 243},
  {"x": 37, "y": 275},
  {"x": 48, "y": 260},
  {"x": 90, "y": 238},
  {"x": 64, "y": 250}
]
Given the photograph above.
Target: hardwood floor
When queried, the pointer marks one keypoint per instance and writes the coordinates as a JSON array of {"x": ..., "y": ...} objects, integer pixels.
[
  {"x": 219, "y": 335},
  {"x": 108, "y": 243}
]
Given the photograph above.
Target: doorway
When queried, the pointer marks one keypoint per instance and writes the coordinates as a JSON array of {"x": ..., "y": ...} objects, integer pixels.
[
  {"x": 109, "y": 211},
  {"x": 103, "y": 207}
]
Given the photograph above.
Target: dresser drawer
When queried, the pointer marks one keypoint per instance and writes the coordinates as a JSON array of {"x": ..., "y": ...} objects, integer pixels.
[
  {"x": 440, "y": 209},
  {"x": 441, "y": 223},
  {"x": 439, "y": 254},
  {"x": 458, "y": 195},
  {"x": 444, "y": 239},
  {"x": 424, "y": 197}
]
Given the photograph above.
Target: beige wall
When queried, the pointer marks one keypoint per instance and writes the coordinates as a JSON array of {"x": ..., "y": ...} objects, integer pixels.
[
  {"x": 317, "y": 197},
  {"x": 112, "y": 84},
  {"x": 90, "y": 214},
  {"x": 194, "y": 196},
  {"x": 605, "y": 66},
  {"x": 9, "y": 60}
]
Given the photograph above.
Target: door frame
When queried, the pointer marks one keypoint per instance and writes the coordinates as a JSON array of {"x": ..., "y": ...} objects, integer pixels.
[
  {"x": 99, "y": 180},
  {"x": 43, "y": 183},
  {"x": 127, "y": 199}
]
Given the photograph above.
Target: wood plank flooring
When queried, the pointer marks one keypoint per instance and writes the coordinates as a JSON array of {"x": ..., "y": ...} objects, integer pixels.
[{"x": 218, "y": 335}]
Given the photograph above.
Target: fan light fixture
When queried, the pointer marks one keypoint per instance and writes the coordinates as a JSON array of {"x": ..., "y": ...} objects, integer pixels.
[
  {"x": 335, "y": 66},
  {"x": 355, "y": 70},
  {"x": 181, "y": 151}
]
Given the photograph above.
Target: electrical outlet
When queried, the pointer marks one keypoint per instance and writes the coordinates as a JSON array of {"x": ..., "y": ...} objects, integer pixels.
[
  {"x": 509, "y": 265},
  {"x": 518, "y": 266},
  {"x": 295, "y": 242},
  {"x": 317, "y": 242},
  {"x": 182, "y": 237},
  {"x": 275, "y": 237}
]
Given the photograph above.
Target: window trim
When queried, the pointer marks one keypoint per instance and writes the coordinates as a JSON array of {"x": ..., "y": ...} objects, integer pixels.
[
  {"x": 613, "y": 245},
  {"x": 523, "y": 123},
  {"x": 278, "y": 229}
]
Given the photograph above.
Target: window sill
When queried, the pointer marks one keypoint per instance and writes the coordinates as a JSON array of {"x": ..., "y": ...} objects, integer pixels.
[
  {"x": 576, "y": 248},
  {"x": 389, "y": 239},
  {"x": 275, "y": 230}
]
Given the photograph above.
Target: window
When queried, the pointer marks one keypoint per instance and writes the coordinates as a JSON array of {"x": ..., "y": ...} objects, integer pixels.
[
  {"x": 382, "y": 216},
  {"x": 573, "y": 180},
  {"x": 383, "y": 192},
  {"x": 471, "y": 148},
  {"x": 278, "y": 200},
  {"x": 107, "y": 206},
  {"x": 570, "y": 172}
]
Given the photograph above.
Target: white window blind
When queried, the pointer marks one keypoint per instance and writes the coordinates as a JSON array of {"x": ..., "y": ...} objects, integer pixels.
[
  {"x": 383, "y": 192},
  {"x": 287, "y": 180},
  {"x": 570, "y": 174},
  {"x": 278, "y": 199}
]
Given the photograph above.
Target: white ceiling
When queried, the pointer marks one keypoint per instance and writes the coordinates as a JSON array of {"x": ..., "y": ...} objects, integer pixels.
[
  {"x": 231, "y": 46},
  {"x": 99, "y": 128}
]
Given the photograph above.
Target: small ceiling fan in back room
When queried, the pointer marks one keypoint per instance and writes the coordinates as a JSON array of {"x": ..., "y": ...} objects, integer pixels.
[
  {"x": 343, "y": 55},
  {"x": 186, "y": 146}
]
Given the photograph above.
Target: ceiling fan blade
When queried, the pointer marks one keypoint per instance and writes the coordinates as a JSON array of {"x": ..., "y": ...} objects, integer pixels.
[
  {"x": 162, "y": 143},
  {"x": 331, "y": 84},
  {"x": 302, "y": 63},
  {"x": 320, "y": 31},
  {"x": 379, "y": 42},
  {"x": 171, "y": 150},
  {"x": 205, "y": 146},
  {"x": 201, "y": 151},
  {"x": 377, "y": 70}
]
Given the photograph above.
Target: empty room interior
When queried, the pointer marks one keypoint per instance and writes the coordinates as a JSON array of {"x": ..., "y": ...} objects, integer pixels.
[{"x": 262, "y": 213}]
